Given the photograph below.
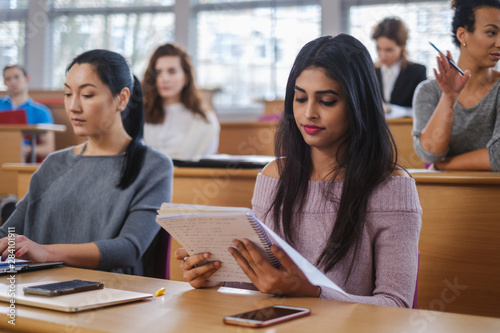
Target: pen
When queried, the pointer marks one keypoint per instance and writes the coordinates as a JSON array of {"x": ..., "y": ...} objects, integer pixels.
[{"x": 449, "y": 60}]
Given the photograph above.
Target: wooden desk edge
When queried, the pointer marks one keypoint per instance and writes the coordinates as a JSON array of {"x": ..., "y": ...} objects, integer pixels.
[
  {"x": 245, "y": 125},
  {"x": 208, "y": 172},
  {"x": 400, "y": 121},
  {"x": 178, "y": 171},
  {"x": 422, "y": 176},
  {"x": 21, "y": 167},
  {"x": 33, "y": 128}
]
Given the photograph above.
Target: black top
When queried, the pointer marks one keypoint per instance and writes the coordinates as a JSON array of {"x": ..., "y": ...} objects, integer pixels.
[{"x": 406, "y": 82}]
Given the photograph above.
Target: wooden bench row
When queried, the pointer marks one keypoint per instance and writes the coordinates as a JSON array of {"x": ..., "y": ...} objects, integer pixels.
[{"x": 258, "y": 139}]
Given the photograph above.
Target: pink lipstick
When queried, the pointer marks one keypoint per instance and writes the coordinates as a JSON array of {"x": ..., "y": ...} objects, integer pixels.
[{"x": 312, "y": 129}]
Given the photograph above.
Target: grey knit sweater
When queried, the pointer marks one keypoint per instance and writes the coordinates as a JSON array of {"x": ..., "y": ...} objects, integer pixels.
[
  {"x": 473, "y": 128},
  {"x": 385, "y": 270},
  {"x": 74, "y": 199}
]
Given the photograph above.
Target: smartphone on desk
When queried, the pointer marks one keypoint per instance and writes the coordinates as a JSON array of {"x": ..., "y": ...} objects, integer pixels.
[
  {"x": 266, "y": 316},
  {"x": 63, "y": 288}
]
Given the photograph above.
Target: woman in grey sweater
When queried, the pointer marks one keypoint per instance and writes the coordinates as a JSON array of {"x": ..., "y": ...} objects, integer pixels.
[
  {"x": 94, "y": 205},
  {"x": 457, "y": 118}
]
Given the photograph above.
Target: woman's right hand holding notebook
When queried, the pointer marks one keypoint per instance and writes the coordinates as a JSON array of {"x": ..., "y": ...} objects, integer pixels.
[{"x": 194, "y": 272}]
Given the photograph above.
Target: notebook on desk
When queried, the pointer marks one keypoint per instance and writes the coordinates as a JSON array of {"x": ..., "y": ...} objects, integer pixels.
[
  {"x": 13, "y": 117},
  {"x": 82, "y": 301}
]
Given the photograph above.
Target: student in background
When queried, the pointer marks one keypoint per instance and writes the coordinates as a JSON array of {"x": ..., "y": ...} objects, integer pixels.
[
  {"x": 337, "y": 195},
  {"x": 177, "y": 123},
  {"x": 398, "y": 77},
  {"x": 457, "y": 118},
  {"x": 16, "y": 79},
  {"x": 94, "y": 205}
]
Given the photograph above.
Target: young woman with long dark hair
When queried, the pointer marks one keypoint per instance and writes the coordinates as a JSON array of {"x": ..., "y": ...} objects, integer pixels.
[
  {"x": 94, "y": 205},
  {"x": 334, "y": 192}
]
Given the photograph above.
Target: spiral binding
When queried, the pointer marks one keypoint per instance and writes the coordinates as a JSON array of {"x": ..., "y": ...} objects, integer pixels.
[{"x": 264, "y": 239}]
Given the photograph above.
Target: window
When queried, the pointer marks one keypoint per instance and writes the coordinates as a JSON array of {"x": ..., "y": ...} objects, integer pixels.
[
  {"x": 426, "y": 21},
  {"x": 109, "y": 3},
  {"x": 12, "y": 33},
  {"x": 223, "y": 1},
  {"x": 134, "y": 36},
  {"x": 133, "y": 28},
  {"x": 250, "y": 62},
  {"x": 242, "y": 48},
  {"x": 13, "y": 4},
  {"x": 11, "y": 45}
]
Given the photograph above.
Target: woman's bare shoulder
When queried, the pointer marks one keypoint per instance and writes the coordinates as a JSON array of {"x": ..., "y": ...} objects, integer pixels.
[
  {"x": 400, "y": 172},
  {"x": 271, "y": 170}
]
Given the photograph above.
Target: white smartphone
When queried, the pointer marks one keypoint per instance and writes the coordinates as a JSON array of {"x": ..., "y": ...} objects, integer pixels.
[{"x": 266, "y": 316}]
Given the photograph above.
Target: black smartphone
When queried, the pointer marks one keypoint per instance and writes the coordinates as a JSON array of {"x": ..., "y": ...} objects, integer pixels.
[
  {"x": 266, "y": 316},
  {"x": 63, "y": 288}
]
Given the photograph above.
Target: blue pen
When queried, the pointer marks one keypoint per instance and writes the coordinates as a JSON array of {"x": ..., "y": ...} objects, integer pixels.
[{"x": 449, "y": 60}]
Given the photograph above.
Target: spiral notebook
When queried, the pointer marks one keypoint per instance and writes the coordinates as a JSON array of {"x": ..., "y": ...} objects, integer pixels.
[{"x": 212, "y": 229}]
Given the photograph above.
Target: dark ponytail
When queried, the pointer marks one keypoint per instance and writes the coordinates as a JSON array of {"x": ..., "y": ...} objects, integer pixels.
[
  {"x": 133, "y": 122},
  {"x": 114, "y": 72}
]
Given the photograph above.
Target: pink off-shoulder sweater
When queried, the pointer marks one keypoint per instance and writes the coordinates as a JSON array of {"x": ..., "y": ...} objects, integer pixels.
[{"x": 385, "y": 269}]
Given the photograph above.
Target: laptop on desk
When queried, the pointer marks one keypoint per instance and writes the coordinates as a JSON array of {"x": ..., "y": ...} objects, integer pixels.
[
  {"x": 81, "y": 301},
  {"x": 227, "y": 161},
  {"x": 21, "y": 266}
]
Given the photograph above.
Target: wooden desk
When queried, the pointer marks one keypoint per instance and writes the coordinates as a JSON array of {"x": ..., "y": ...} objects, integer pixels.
[
  {"x": 21, "y": 172},
  {"x": 460, "y": 236},
  {"x": 200, "y": 186},
  {"x": 459, "y": 242},
  {"x": 11, "y": 140},
  {"x": 401, "y": 131},
  {"x": 183, "y": 309},
  {"x": 247, "y": 138},
  {"x": 214, "y": 187},
  {"x": 258, "y": 139}
]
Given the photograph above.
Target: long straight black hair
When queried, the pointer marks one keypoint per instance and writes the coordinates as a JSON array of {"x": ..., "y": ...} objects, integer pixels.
[
  {"x": 366, "y": 157},
  {"x": 114, "y": 72}
]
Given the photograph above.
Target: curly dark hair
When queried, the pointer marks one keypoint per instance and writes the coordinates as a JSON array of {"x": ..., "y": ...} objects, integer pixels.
[{"x": 465, "y": 14}]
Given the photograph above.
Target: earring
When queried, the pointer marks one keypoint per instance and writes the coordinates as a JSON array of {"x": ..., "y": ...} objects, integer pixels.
[{"x": 465, "y": 45}]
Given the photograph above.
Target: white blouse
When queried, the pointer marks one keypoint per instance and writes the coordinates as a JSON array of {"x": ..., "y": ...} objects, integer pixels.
[
  {"x": 389, "y": 75},
  {"x": 184, "y": 135}
]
